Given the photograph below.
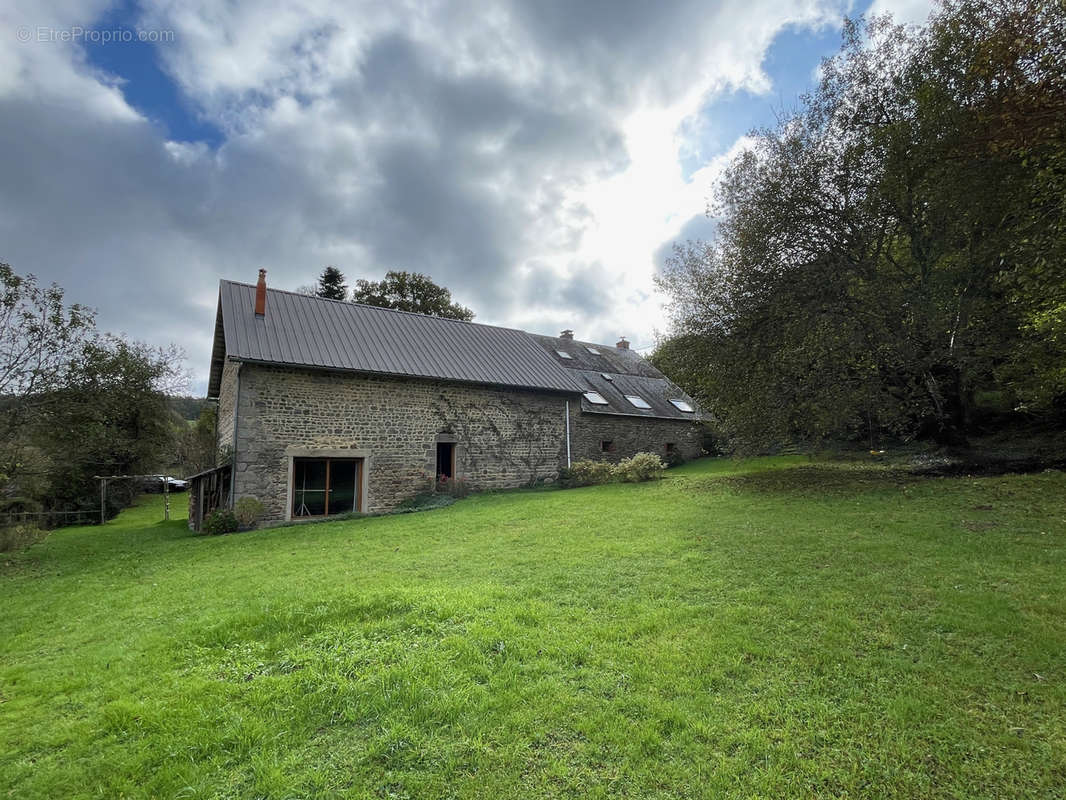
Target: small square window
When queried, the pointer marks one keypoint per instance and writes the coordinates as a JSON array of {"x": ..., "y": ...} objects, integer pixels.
[
  {"x": 593, "y": 350},
  {"x": 637, "y": 400},
  {"x": 606, "y": 446},
  {"x": 596, "y": 398},
  {"x": 563, "y": 354},
  {"x": 682, "y": 405},
  {"x": 671, "y": 448}
]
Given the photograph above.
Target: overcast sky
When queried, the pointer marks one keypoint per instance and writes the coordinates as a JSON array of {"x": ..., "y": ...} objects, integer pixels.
[{"x": 538, "y": 158}]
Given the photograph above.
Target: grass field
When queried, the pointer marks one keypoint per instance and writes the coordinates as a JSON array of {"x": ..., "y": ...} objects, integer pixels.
[{"x": 768, "y": 628}]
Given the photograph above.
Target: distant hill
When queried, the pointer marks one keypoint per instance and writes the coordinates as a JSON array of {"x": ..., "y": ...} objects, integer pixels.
[{"x": 188, "y": 407}]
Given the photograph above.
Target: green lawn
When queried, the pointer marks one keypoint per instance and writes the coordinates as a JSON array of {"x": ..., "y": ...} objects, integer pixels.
[{"x": 766, "y": 628}]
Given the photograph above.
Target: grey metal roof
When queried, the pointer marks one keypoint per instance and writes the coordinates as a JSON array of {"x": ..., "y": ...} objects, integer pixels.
[
  {"x": 306, "y": 331},
  {"x": 628, "y": 373},
  {"x": 608, "y": 358}
]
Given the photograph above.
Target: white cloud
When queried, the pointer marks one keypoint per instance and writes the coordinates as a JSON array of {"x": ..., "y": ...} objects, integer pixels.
[
  {"x": 913, "y": 12},
  {"x": 526, "y": 156}
]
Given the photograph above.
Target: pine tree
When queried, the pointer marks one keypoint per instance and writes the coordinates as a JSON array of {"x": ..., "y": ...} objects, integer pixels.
[{"x": 331, "y": 284}]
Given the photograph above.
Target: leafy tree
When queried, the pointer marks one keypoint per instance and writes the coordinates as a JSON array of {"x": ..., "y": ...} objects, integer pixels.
[
  {"x": 331, "y": 285},
  {"x": 110, "y": 417},
  {"x": 410, "y": 291},
  {"x": 38, "y": 336},
  {"x": 896, "y": 246}
]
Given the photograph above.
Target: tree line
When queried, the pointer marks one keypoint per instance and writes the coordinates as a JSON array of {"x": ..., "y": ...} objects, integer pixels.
[{"x": 890, "y": 259}]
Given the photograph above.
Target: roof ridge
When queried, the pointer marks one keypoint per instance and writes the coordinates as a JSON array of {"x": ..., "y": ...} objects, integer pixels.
[
  {"x": 377, "y": 308},
  {"x": 587, "y": 344}
]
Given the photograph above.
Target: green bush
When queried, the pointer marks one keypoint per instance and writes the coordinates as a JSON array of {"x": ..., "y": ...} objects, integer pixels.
[
  {"x": 590, "y": 473},
  {"x": 248, "y": 511},
  {"x": 641, "y": 467},
  {"x": 219, "y": 521},
  {"x": 19, "y": 536}
]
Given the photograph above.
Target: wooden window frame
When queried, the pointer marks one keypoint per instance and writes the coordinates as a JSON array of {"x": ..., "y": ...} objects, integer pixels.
[{"x": 360, "y": 465}]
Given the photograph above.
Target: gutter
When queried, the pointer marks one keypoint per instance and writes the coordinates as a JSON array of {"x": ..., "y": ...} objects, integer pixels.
[
  {"x": 568, "y": 434},
  {"x": 233, "y": 452}
]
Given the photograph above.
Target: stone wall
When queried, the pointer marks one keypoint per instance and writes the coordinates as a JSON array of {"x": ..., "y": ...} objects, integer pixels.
[
  {"x": 630, "y": 435},
  {"x": 227, "y": 396},
  {"x": 503, "y": 438}
]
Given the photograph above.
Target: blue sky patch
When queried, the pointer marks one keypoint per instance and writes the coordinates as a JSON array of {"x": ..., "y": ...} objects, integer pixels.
[{"x": 144, "y": 84}]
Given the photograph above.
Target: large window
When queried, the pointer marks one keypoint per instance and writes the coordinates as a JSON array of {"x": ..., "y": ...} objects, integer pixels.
[{"x": 325, "y": 486}]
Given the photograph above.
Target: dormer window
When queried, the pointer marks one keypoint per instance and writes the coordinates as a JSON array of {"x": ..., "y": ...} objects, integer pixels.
[
  {"x": 637, "y": 401},
  {"x": 682, "y": 405}
]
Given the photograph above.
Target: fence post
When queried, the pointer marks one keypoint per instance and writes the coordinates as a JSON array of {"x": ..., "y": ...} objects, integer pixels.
[
  {"x": 103, "y": 500},
  {"x": 166, "y": 498}
]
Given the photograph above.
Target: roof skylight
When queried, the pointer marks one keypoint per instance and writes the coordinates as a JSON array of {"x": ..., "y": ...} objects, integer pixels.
[
  {"x": 682, "y": 405},
  {"x": 637, "y": 400},
  {"x": 563, "y": 354},
  {"x": 596, "y": 398},
  {"x": 593, "y": 350},
  {"x": 606, "y": 377}
]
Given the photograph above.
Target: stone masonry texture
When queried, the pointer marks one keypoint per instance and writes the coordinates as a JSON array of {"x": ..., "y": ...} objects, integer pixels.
[
  {"x": 504, "y": 438},
  {"x": 631, "y": 435}
]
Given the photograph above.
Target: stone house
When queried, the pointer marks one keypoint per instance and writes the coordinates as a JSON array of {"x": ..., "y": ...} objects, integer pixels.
[{"x": 327, "y": 407}]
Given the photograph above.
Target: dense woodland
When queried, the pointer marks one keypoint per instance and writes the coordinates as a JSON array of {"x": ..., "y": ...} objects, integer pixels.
[{"x": 890, "y": 259}]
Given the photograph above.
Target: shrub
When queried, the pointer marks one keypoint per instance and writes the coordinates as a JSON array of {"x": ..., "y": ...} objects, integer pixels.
[
  {"x": 19, "y": 536},
  {"x": 456, "y": 487},
  {"x": 219, "y": 521},
  {"x": 248, "y": 511},
  {"x": 590, "y": 473},
  {"x": 641, "y": 467}
]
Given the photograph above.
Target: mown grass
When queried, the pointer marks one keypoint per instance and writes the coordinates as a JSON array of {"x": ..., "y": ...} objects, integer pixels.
[{"x": 767, "y": 628}]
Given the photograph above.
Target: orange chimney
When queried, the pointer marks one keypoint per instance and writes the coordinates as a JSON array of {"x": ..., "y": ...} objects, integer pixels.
[
  {"x": 622, "y": 344},
  {"x": 261, "y": 294}
]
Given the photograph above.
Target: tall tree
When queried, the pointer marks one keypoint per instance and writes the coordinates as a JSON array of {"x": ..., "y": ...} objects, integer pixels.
[
  {"x": 410, "y": 291},
  {"x": 890, "y": 251},
  {"x": 331, "y": 285},
  {"x": 111, "y": 417},
  {"x": 39, "y": 334}
]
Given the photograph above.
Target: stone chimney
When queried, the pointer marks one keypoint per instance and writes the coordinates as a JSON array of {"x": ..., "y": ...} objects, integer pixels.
[
  {"x": 261, "y": 294},
  {"x": 622, "y": 344},
  {"x": 567, "y": 334}
]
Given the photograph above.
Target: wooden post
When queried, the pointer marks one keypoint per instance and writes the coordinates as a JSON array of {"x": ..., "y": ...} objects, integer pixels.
[
  {"x": 103, "y": 500},
  {"x": 166, "y": 498}
]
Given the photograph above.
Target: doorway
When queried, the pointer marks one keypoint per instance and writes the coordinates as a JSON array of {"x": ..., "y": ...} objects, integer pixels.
[{"x": 445, "y": 460}]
